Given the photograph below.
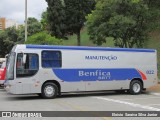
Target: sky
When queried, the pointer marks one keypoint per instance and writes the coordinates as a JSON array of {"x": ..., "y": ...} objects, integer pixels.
[{"x": 15, "y": 9}]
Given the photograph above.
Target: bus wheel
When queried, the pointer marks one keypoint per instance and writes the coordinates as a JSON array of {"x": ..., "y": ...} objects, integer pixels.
[
  {"x": 135, "y": 87},
  {"x": 49, "y": 90}
]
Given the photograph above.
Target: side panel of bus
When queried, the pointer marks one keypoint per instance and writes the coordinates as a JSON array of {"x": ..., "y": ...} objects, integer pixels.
[{"x": 105, "y": 70}]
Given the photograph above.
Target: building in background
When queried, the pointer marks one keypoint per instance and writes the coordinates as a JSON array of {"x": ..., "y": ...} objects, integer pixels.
[
  {"x": 2, "y": 23},
  {"x": 6, "y": 23}
]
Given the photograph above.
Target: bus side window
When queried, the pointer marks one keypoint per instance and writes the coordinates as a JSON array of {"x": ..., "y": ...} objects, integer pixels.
[{"x": 51, "y": 59}]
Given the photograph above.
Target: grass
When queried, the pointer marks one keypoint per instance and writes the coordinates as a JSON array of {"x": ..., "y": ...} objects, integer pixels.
[
  {"x": 72, "y": 40},
  {"x": 153, "y": 42}
]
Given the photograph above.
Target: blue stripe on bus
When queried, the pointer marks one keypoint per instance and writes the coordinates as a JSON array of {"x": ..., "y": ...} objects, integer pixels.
[
  {"x": 76, "y": 75},
  {"x": 88, "y": 48}
]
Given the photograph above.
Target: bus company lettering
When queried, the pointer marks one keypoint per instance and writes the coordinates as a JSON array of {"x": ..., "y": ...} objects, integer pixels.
[
  {"x": 111, "y": 57},
  {"x": 100, "y": 75}
]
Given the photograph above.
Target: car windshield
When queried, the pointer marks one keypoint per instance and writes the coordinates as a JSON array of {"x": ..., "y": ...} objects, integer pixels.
[
  {"x": 10, "y": 67},
  {"x": 3, "y": 65}
]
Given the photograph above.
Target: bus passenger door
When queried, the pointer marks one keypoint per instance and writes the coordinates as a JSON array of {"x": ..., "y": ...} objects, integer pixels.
[{"x": 26, "y": 67}]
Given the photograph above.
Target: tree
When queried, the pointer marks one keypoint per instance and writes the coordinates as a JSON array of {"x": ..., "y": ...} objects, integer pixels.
[
  {"x": 44, "y": 21},
  {"x": 67, "y": 17},
  {"x": 56, "y": 18},
  {"x": 76, "y": 11},
  {"x": 154, "y": 14},
  {"x": 21, "y": 34},
  {"x": 34, "y": 26},
  {"x": 43, "y": 38},
  {"x": 124, "y": 20},
  {"x": 2, "y": 46},
  {"x": 8, "y": 39}
]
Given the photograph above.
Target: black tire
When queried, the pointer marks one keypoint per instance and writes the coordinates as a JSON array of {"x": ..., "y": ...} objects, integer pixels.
[
  {"x": 49, "y": 90},
  {"x": 135, "y": 87}
]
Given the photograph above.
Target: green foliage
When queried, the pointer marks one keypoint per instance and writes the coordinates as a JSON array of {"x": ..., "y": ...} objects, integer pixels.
[
  {"x": 33, "y": 26},
  {"x": 75, "y": 11},
  {"x": 56, "y": 18},
  {"x": 67, "y": 17},
  {"x": 2, "y": 46},
  {"x": 85, "y": 40},
  {"x": 21, "y": 34},
  {"x": 8, "y": 39},
  {"x": 124, "y": 20},
  {"x": 154, "y": 14},
  {"x": 44, "y": 21},
  {"x": 153, "y": 3},
  {"x": 43, "y": 38}
]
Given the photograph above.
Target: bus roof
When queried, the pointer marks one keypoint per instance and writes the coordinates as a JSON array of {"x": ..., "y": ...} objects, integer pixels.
[{"x": 57, "y": 47}]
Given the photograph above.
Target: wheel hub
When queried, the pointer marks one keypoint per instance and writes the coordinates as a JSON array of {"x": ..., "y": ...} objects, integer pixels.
[
  {"x": 136, "y": 87},
  {"x": 49, "y": 90}
]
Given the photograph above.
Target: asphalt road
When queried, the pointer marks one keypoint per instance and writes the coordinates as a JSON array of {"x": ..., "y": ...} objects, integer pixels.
[{"x": 106, "y": 101}]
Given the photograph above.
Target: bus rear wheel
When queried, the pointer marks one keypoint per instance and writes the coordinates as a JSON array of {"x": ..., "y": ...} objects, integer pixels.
[
  {"x": 135, "y": 87},
  {"x": 49, "y": 90}
]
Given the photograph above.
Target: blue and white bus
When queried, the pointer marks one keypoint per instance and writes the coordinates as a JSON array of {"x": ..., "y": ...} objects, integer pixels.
[{"x": 51, "y": 70}]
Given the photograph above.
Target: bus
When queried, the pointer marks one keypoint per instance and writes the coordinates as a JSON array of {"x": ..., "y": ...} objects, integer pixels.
[{"x": 51, "y": 70}]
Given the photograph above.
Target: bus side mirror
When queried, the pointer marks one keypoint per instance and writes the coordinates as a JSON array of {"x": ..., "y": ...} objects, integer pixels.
[{"x": 24, "y": 58}]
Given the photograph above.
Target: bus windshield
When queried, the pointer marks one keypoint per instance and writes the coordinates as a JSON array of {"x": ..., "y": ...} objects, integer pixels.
[{"x": 10, "y": 67}]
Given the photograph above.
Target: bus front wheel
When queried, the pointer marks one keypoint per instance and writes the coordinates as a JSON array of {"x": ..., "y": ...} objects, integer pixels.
[
  {"x": 49, "y": 90},
  {"x": 135, "y": 87}
]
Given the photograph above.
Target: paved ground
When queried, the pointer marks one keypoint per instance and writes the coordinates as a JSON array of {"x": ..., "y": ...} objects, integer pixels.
[{"x": 109, "y": 101}]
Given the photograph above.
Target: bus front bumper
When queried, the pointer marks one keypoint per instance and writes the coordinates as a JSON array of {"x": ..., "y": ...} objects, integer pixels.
[{"x": 9, "y": 87}]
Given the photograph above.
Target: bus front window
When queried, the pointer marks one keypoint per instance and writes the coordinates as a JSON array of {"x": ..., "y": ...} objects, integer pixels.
[{"x": 10, "y": 67}]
